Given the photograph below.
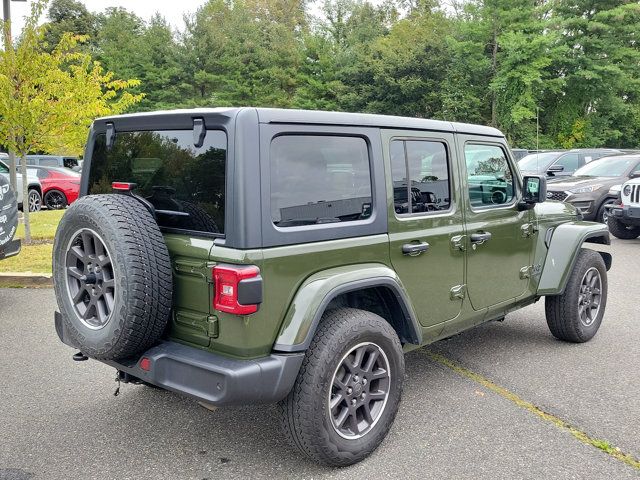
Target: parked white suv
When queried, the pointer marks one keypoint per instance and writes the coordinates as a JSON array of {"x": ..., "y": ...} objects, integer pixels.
[
  {"x": 624, "y": 216},
  {"x": 35, "y": 189}
]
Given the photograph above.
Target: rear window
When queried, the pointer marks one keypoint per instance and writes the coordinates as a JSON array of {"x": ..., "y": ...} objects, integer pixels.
[
  {"x": 319, "y": 179},
  {"x": 184, "y": 183}
]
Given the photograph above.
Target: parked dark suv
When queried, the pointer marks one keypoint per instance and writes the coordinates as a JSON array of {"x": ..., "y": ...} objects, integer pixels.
[
  {"x": 589, "y": 188},
  {"x": 243, "y": 255},
  {"x": 561, "y": 163}
]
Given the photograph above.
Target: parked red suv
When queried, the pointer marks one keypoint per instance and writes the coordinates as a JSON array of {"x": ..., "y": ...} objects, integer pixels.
[{"x": 60, "y": 186}]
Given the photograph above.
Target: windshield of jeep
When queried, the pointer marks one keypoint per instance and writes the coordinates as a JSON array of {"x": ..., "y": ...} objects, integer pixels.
[{"x": 185, "y": 184}]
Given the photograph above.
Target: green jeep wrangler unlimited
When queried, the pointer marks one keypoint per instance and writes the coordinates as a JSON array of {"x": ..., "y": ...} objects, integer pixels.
[{"x": 243, "y": 255}]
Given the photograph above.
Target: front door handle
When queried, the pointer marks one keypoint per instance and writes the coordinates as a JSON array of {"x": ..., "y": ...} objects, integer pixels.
[
  {"x": 480, "y": 237},
  {"x": 414, "y": 249}
]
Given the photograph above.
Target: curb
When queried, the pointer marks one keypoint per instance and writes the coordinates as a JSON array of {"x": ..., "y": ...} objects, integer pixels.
[{"x": 26, "y": 280}]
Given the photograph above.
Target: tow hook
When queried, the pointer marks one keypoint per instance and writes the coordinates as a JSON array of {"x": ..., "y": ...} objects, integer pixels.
[{"x": 79, "y": 357}]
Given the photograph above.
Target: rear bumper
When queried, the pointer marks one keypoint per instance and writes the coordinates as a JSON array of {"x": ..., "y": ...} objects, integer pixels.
[
  {"x": 10, "y": 249},
  {"x": 626, "y": 214},
  {"x": 210, "y": 377}
]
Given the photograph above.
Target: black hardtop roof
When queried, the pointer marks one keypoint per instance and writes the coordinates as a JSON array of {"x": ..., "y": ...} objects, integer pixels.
[{"x": 314, "y": 117}]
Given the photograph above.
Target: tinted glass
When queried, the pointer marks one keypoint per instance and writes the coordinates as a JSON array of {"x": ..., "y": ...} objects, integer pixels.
[
  {"x": 49, "y": 162},
  {"x": 319, "y": 179},
  {"x": 489, "y": 176},
  {"x": 4, "y": 168},
  {"x": 569, "y": 162},
  {"x": 428, "y": 174},
  {"x": 70, "y": 162},
  {"x": 185, "y": 182},
  {"x": 537, "y": 162},
  {"x": 607, "y": 167}
]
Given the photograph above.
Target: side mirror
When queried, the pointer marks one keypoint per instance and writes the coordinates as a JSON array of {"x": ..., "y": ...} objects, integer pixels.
[
  {"x": 555, "y": 169},
  {"x": 534, "y": 190}
]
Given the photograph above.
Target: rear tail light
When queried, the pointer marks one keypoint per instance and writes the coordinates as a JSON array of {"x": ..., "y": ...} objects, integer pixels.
[
  {"x": 123, "y": 186},
  {"x": 238, "y": 289}
]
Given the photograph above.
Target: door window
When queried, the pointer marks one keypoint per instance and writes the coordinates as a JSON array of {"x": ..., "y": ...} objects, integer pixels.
[
  {"x": 490, "y": 179},
  {"x": 4, "y": 168},
  {"x": 319, "y": 179},
  {"x": 570, "y": 162},
  {"x": 421, "y": 176}
]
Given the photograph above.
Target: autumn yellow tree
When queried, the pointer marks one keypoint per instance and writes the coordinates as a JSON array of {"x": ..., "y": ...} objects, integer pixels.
[{"x": 48, "y": 98}]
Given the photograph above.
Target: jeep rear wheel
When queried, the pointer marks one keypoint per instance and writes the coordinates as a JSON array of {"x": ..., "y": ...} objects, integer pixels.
[
  {"x": 576, "y": 315},
  {"x": 348, "y": 390},
  {"x": 112, "y": 276},
  {"x": 621, "y": 230}
]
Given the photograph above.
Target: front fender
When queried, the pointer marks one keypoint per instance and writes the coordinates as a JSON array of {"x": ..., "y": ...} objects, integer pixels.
[
  {"x": 319, "y": 289},
  {"x": 564, "y": 244}
]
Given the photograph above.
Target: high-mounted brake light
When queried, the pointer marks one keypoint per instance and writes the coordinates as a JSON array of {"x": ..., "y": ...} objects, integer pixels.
[
  {"x": 123, "y": 186},
  {"x": 238, "y": 289}
]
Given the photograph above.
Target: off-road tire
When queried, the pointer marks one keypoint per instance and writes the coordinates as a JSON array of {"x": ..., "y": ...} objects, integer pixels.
[
  {"x": 562, "y": 311},
  {"x": 8, "y": 212},
  {"x": 141, "y": 270},
  {"x": 622, "y": 231},
  {"x": 305, "y": 415},
  {"x": 49, "y": 200},
  {"x": 199, "y": 219}
]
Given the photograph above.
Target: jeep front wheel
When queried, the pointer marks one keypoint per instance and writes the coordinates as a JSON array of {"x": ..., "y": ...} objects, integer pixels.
[
  {"x": 576, "y": 315},
  {"x": 348, "y": 389}
]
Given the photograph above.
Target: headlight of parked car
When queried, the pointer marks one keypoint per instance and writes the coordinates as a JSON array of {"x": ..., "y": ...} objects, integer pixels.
[
  {"x": 627, "y": 190},
  {"x": 589, "y": 189}
]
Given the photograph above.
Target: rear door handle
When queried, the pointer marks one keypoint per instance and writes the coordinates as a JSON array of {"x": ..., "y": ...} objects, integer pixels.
[
  {"x": 480, "y": 237},
  {"x": 414, "y": 249}
]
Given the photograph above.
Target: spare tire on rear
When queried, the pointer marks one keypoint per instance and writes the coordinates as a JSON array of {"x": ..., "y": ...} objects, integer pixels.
[{"x": 112, "y": 276}]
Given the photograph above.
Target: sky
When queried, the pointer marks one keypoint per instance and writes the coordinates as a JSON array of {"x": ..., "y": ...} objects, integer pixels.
[{"x": 172, "y": 10}]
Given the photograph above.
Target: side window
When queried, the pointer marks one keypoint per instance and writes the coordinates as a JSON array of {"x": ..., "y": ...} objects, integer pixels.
[
  {"x": 32, "y": 161},
  {"x": 3, "y": 168},
  {"x": 570, "y": 162},
  {"x": 318, "y": 179},
  {"x": 636, "y": 170},
  {"x": 420, "y": 173},
  {"x": 49, "y": 162},
  {"x": 489, "y": 176}
]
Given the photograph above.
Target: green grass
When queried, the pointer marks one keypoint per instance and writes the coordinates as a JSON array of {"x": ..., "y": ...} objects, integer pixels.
[
  {"x": 34, "y": 258},
  {"x": 43, "y": 225}
]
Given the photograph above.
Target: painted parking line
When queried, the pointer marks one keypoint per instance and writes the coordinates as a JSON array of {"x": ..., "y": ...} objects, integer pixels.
[{"x": 581, "y": 436}]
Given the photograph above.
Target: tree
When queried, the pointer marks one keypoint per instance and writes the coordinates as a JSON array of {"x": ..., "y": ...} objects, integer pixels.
[
  {"x": 68, "y": 16},
  {"x": 48, "y": 99},
  {"x": 597, "y": 99}
]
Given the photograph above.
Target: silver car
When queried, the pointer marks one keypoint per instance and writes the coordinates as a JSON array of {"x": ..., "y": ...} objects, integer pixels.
[{"x": 35, "y": 189}]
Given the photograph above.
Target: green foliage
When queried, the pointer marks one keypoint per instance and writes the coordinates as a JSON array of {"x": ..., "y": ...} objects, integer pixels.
[
  {"x": 49, "y": 97},
  {"x": 574, "y": 65}
]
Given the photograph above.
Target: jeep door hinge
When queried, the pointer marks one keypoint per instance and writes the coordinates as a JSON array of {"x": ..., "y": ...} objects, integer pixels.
[
  {"x": 457, "y": 242},
  {"x": 458, "y": 292},
  {"x": 528, "y": 229}
]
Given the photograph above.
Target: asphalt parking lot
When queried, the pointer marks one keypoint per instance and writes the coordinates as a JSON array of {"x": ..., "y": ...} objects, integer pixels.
[{"x": 60, "y": 420}]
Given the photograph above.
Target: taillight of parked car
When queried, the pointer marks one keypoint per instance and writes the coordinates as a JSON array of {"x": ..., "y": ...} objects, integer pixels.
[{"x": 238, "y": 289}]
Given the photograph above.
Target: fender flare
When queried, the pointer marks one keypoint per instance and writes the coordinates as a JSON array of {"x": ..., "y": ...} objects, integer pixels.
[
  {"x": 563, "y": 243},
  {"x": 317, "y": 292}
]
